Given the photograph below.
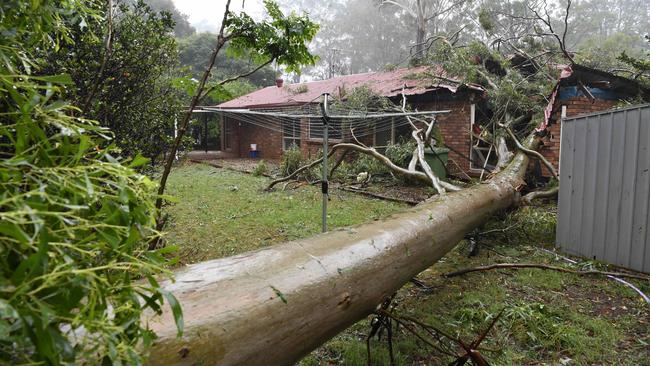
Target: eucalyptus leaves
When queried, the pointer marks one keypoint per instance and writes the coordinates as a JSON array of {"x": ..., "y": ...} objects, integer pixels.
[{"x": 75, "y": 276}]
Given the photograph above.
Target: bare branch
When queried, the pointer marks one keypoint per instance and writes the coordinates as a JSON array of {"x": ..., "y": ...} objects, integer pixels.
[
  {"x": 534, "y": 153},
  {"x": 543, "y": 266},
  {"x": 237, "y": 77},
  {"x": 221, "y": 41},
  {"x": 550, "y": 193}
]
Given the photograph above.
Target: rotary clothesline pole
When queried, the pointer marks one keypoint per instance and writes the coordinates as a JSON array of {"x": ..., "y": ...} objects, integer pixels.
[{"x": 324, "y": 182}]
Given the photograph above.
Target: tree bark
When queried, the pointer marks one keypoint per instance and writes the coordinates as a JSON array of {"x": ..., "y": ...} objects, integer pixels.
[{"x": 275, "y": 305}]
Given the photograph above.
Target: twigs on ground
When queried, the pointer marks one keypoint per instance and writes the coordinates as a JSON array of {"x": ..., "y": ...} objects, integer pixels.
[
  {"x": 439, "y": 340},
  {"x": 543, "y": 266},
  {"x": 620, "y": 280}
]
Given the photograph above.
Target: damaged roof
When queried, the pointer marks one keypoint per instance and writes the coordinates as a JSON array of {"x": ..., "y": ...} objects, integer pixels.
[{"x": 414, "y": 81}]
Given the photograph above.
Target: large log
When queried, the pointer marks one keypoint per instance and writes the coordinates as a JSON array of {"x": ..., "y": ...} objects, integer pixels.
[{"x": 275, "y": 305}]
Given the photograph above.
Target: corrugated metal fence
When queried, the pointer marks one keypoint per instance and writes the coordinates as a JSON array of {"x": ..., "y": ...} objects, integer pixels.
[{"x": 604, "y": 199}]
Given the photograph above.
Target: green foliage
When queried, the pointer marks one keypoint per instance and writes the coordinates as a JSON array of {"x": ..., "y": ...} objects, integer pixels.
[
  {"x": 260, "y": 169},
  {"x": 196, "y": 50},
  {"x": 281, "y": 39},
  {"x": 291, "y": 161},
  {"x": 485, "y": 20},
  {"x": 299, "y": 89},
  {"x": 401, "y": 152},
  {"x": 604, "y": 52},
  {"x": 366, "y": 163},
  {"x": 363, "y": 98},
  {"x": 182, "y": 26},
  {"x": 133, "y": 93},
  {"x": 641, "y": 64},
  {"x": 74, "y": 221},
  {"x": 509, "y": 92}
]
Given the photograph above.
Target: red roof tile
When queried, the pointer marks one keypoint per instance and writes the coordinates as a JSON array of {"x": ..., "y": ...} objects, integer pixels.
[{"x": 386, "y": 83}]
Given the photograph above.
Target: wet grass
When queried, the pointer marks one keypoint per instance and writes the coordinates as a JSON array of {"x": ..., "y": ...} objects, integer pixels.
[
  {"x": 220, "y": 212},
  {"x": 549, "y": 318}
]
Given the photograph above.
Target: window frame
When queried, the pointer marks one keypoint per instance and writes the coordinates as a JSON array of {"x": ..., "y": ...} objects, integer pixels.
[
  {"x": 485, "y": 152},
  {"x": 294, "y": 136},
  {"x": 320, "y": 139}
]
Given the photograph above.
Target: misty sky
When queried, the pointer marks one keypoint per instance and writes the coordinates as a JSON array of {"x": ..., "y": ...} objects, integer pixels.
[{"x": 206, "y": 15}]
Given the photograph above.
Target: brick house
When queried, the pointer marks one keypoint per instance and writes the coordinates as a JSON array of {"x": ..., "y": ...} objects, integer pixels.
[
  {"x": 421, "y": 93},
  {"x": 583, "y": 90}
]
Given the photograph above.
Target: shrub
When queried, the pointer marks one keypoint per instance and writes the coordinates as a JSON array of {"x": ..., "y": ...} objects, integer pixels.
[
  {"x": 401, "y": 153},
  {"x": 291, "y": 161},
  {"x": 74, "y": 221},
  {"x": 260, "y": 169}
]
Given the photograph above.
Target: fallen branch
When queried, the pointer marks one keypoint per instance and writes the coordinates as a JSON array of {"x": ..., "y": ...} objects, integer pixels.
[
  {"x": 540, "y": 194},
  {"x": 620, "y": 280},
  {"x": 374, "y": 153},
  {"x": 338, "y": 162},
  {"x": 299, "y": 170},
  {"x": 379, "y": 196},
  {"x": 543, "y": 266},
  {"x": 534, "y": 153}
]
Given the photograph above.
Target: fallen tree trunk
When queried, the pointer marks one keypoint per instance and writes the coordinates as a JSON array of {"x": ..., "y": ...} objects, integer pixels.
[{"x": 275, "y": 305}]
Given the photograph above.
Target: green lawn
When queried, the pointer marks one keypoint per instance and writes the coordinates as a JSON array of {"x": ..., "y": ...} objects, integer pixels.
[
  {"x": 221, "y": 213},
  {"x": 549, "y": 318}
]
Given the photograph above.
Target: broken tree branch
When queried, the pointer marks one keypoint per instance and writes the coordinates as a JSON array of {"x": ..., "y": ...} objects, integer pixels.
[
  {"x": 534, "y": 153},
  {"x": 299, "y": 170},
  {"x": 546, "y": 267},
  {"x": 549, "y": 193}
]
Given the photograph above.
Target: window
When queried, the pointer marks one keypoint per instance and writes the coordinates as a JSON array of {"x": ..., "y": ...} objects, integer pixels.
[
  {"x": 390, "y": 132},
  {"x": 227, "y": 134},
  {"x": 482, "y": 154},
  {"x": 335, "y": 131},
  {"x": 384, "y": 134},
  {"x": 290, "y": 134}
]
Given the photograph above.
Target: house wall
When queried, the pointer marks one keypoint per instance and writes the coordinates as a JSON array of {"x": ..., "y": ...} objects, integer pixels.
[
  {"x": 310, "y": 148},
  {"x": 574, "y": 107},
  {"x": 233, "y": 151},
  {"x": 269, "y": 142}
]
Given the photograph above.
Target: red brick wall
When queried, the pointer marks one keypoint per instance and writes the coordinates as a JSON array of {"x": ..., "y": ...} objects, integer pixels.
[
  {"x": 269, "y": 142},
  {"x": 575, "y": 106}
]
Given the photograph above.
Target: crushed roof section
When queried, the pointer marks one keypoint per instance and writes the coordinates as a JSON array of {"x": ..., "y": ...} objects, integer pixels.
[{"x": 414, "y": 81}]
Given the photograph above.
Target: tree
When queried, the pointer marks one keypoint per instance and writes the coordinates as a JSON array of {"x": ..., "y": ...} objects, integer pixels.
[
  {"x": 196, "y": 49},
  {"x": 281, "y": 39},
  {"x": 74, "y": 220},
  {"x": 125, "y": 83},
  {"x": 182, "y": 26},
  {"x": 640, "y": 65},
  {"x": 428, "y": 16}
]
